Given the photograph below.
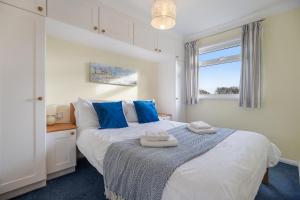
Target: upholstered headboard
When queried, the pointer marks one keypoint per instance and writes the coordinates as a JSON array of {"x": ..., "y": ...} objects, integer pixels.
[{"x": 72, "y": 114}]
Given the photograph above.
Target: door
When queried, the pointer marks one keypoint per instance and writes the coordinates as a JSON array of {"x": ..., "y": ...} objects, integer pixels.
[
  {"x": 180, "y": 92},
  {"x": 145, "y": 36},
  {"x": 115, "y": 24},
  {"x": 179, "y": 50},
  {"x": 61, "y": 150},
  {"x": 22, "y": 113},
  {"x": 36, "y": 6},
  {"x": 80, "y": 13}
]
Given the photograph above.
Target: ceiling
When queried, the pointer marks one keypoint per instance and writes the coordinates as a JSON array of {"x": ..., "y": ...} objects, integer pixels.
[{"x": 198, "y": 16}]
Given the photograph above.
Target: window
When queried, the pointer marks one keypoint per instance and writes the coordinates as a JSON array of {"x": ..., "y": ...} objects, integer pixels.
[{"x": 219, "y": 69}]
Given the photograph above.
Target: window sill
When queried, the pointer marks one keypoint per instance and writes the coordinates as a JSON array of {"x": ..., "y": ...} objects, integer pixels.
[{"x": 219, "y": 97}]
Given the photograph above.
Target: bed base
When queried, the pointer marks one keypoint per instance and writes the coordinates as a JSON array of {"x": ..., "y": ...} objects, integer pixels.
[{"x": 265, "y": 180}]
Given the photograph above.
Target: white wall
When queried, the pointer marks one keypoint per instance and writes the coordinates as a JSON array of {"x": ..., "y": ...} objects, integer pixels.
[
  {"x": 67, "y": 74},
  {"x": 279, "y": 117}
]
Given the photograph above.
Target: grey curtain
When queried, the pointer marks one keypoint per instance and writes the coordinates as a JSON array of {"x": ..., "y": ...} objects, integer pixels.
[
  {"x": 250, "y": 83},
  {"x": 191, "y": 72}
]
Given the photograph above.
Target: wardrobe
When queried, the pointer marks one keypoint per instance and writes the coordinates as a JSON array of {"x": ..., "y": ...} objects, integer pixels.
[
  {"x": 22, "y": 91},
  {"x": 22, "y": 79}
]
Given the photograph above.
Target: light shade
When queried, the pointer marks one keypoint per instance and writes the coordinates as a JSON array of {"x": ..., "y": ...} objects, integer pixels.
[{"x": 163, "y": 14}]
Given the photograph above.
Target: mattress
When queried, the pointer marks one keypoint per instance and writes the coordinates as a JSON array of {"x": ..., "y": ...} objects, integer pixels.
[{"x": 232, "y": 170}]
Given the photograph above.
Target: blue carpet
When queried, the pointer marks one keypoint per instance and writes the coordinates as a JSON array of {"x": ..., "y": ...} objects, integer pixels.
[{"x": 87, "y": 184}]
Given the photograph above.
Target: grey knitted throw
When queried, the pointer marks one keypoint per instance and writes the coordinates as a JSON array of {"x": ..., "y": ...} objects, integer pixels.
[{"x": 133, "y": 172}]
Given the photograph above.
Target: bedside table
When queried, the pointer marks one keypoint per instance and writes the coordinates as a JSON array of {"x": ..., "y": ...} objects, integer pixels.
[
  {"x": 61, "y": 149},
  {"x": 164, "y": 116}
]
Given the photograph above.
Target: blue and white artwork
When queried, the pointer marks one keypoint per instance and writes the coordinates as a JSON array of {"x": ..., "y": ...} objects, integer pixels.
[{"x": 112, "y": 75}]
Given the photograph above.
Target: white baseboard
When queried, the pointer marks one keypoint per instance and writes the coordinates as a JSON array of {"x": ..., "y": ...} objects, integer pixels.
[
  {"x": 290, "y": 162},
  {"x": 60, "y": 173},
  {"x": 22, "y": 190}
]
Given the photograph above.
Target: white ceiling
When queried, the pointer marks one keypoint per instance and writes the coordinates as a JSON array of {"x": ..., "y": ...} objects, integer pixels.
[{"x": 198, "y": 16}]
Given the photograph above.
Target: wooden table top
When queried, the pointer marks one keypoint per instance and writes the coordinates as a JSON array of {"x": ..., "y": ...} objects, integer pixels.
[{"x": 60, "y": 127}]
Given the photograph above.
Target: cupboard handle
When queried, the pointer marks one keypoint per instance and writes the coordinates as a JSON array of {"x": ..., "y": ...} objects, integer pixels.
[
  {"x": 72, "y": 133},
  {"x": 40, "y": 8},
  {"x": 103, "y": 31},
  {"x": 40, "y": 98},
  {"x": 95, "y": 28}
]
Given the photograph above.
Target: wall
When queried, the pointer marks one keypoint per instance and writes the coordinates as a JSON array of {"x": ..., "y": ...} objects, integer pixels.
[
  {"x": 279, "y": 117},
  {"x": 67, "y": 74}
]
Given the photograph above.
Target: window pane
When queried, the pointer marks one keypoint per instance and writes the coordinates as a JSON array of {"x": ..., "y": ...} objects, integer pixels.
[
  {"x": 220, "y": 53},
  {"x": 220, "y": 79}
]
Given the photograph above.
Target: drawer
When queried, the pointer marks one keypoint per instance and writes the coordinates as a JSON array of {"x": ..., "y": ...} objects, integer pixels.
[{"x": 61, "y": 150}]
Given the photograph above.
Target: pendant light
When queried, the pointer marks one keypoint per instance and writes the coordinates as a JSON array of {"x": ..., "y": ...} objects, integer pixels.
[{"x": 163, "y": 14}]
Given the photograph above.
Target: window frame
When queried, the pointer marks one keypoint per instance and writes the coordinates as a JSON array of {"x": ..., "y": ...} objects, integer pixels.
[{"x": 222, "y": 60}]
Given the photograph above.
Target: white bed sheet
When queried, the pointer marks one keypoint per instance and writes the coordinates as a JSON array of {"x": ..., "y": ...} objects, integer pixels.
[{"x": 233, "y": 170}]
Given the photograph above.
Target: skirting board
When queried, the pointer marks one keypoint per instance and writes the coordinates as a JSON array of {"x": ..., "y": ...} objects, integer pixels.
[
  {"x": 60, "y": 173},
  {"x": 23, "y": 190}
]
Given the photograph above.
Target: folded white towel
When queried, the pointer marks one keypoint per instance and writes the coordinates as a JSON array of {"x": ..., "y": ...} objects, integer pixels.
[
  {"x": 200, "y": 125},
  {"x": 202, "y": 131},
  {"x": 169, "y": 143},
  {"x": 156, "y": 136}
]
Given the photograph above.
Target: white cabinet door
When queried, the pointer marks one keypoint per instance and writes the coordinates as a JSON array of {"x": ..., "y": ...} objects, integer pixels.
[
  {"x": 145, "y": 36},
  {"x": 179, "y": 50},
  {"x": 180, "y": 114},
  {"x": 61, "y": 150},
  {"x": 81, "y": 13},
  {"x": 116, "y": 24},
  {"x": 165, "y": 44},
  {"x": 36, "y": 6},
  {"x": 22, "y": 115}
]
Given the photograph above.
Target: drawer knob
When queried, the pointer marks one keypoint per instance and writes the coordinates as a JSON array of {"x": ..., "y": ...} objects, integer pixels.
[
  {"x": 40, "y": 98},
  {"x": 72, "y": 133},
  {"x": 159, "y": 50},
  {"x": 40, "y": 8},
  {"x": 155, "y": 49},
  {"x": 95, "y": 28},
  {"x": 103, "y": 31}
]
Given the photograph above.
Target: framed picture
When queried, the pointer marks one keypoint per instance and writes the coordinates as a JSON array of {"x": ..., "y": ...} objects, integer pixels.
[{"x": 112, "y": 75}]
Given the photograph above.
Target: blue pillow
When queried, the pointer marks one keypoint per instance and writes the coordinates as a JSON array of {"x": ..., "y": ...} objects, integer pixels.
[
  {"x": 110, "y": 115},
  {"x": 146, "y": 111}
]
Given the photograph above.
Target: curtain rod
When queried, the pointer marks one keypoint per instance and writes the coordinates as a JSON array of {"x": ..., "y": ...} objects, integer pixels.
[{"x": 229, "y": 29}]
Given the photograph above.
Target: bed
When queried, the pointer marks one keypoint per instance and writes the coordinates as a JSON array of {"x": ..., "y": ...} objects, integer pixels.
[{"x": 234, "y": 169}]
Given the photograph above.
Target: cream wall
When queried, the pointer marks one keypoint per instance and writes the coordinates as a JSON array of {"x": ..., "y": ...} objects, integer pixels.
[
  {"x": 67, "y": 74},
  {"x": 279, "y": 118}
]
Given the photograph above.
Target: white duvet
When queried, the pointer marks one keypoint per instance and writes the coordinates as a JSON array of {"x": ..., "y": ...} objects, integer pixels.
[{"x": 233, "y": 170}]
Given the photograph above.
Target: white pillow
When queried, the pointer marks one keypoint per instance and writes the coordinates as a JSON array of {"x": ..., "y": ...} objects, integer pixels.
[
  {"x": 86, "y": 116},
  {"x": 130, "y": 112}
]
